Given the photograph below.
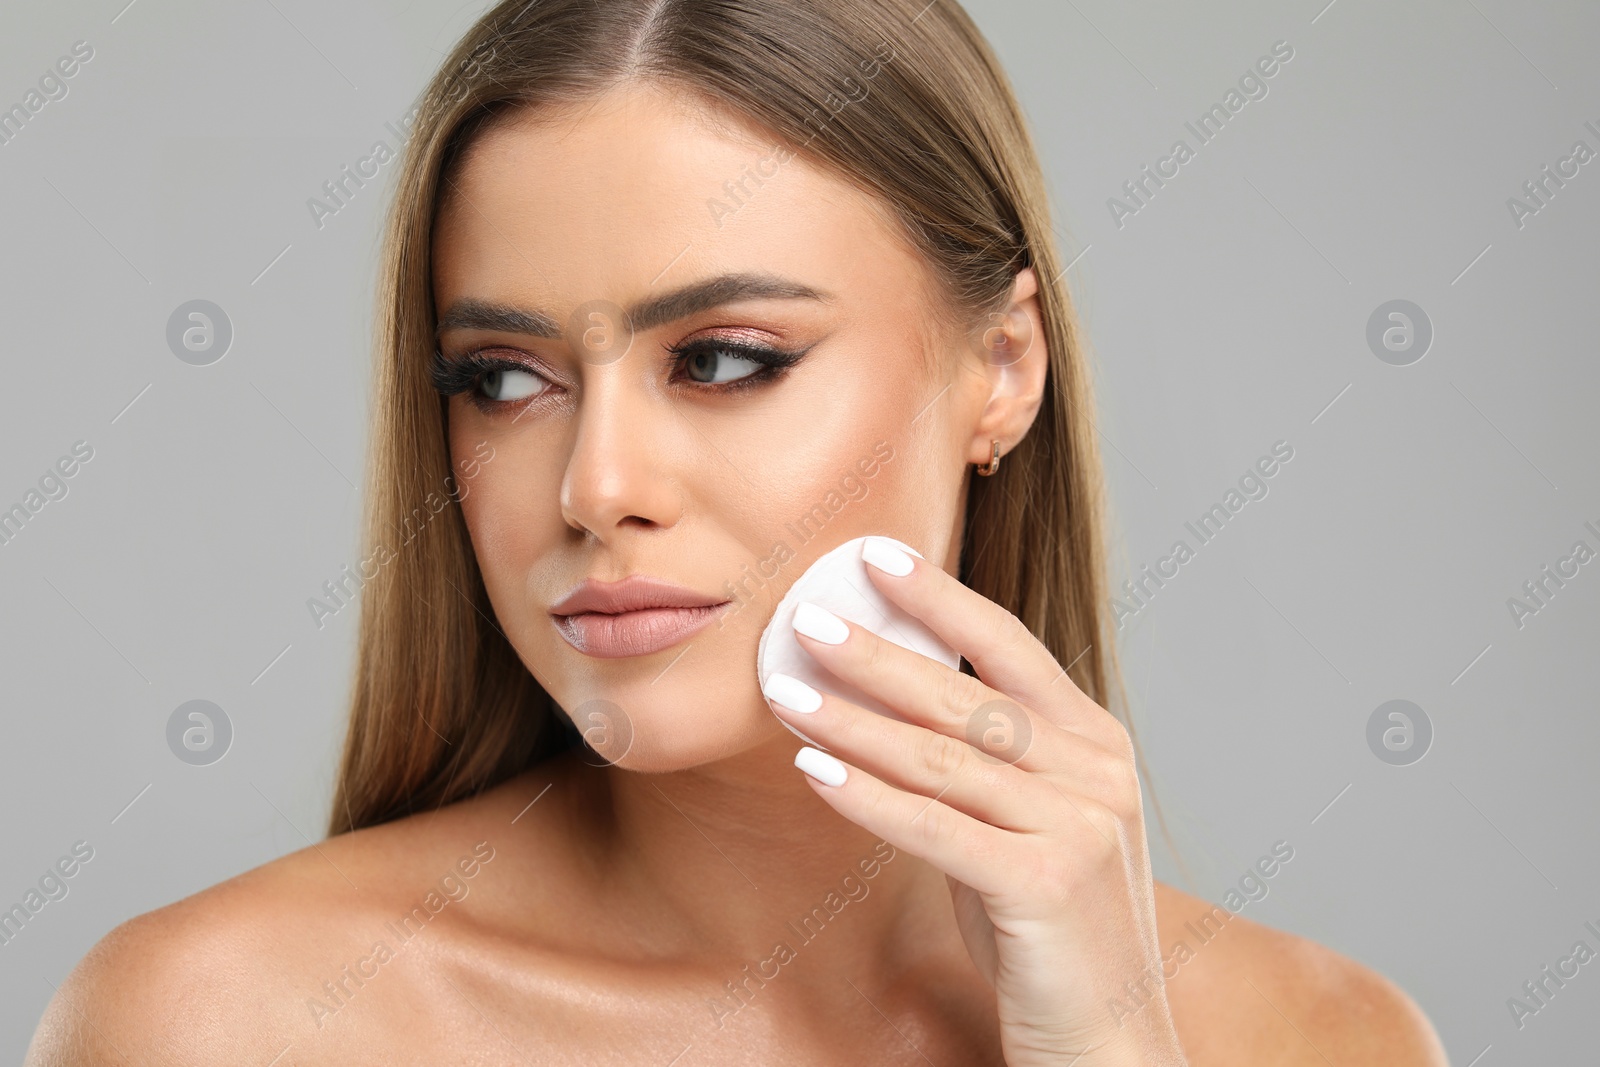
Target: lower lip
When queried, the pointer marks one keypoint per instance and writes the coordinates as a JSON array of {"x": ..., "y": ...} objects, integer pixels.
[{"x": 634, "y": 633}]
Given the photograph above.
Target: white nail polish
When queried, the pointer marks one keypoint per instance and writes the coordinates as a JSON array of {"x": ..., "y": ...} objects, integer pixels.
[
  {"x": 792, "y": 693},
  {"x": 821, "y": 766},
  {"x": 820, "y": 624},
  {"x": 886, "y": 556}
]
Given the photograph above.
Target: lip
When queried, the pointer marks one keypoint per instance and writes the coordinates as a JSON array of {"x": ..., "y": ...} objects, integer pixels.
[{"x": 633, "y": 617}]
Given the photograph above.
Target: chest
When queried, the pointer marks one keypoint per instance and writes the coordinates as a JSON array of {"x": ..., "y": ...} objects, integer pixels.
[{"x": 770, "y": 1016}]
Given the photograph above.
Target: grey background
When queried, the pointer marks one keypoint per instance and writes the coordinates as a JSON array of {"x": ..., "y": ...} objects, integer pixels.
[{"x": 1228, "y": 314}]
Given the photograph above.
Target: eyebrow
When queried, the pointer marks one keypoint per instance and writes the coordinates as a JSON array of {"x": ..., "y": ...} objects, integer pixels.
[{"x": 473, "y": 314}]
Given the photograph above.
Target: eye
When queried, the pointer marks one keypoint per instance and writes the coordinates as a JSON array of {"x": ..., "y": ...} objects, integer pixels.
[
  {"x": 731, "y": 365},
  {"x": 714, "y": 364},
  {"x": 487, "y": 381},
  {"x": 507, "y": 384}
]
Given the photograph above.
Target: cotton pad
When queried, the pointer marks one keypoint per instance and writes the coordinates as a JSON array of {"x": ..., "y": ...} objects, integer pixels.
[{"x": 838, "y": 582}]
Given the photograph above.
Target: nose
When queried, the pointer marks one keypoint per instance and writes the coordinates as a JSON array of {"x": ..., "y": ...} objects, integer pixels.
[{"x": 616, "y": 476}]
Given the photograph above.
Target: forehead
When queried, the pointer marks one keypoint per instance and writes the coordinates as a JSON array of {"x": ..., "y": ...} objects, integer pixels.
[{"x": 649, "y": 187}]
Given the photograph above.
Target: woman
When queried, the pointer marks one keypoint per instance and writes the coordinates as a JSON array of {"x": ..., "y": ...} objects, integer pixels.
[{"x": 678, "y": 296}]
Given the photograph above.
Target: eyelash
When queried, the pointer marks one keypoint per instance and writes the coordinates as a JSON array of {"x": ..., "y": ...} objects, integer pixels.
[
  {"x": 772, "y": 361},
  {"x": 455, "y": 375}
]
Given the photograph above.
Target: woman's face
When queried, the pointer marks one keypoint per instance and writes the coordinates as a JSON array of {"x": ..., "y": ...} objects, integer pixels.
[{"x": 783, "y": 390}]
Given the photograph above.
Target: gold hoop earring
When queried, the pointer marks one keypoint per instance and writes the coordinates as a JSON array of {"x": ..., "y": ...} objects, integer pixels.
[{"x": 994, "y": 461}]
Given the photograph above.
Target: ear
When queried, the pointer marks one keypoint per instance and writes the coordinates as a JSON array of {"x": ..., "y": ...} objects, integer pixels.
[{"x": 1012, "y": 357}]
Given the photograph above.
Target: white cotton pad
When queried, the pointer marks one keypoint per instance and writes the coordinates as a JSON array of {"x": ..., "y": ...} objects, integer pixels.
[{"x": 838, "y": 582}]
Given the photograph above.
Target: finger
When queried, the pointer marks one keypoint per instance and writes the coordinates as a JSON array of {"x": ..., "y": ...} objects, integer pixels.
[
  {"x": 1002, "y": 650},
  {"x": 925, "y": 691},
  {"x": 959, "y": 845},
  {"x": 916, "y": 759}
]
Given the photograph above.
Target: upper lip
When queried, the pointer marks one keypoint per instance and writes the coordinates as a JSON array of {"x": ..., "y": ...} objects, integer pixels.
[{"x": 636, "y": 592}]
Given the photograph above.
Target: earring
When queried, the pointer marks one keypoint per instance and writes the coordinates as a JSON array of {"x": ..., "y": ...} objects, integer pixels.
[{"x": 994, "y": 461}]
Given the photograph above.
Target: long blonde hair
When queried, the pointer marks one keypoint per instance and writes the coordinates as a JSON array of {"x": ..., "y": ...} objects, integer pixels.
[{"x": 903, "y": 98}]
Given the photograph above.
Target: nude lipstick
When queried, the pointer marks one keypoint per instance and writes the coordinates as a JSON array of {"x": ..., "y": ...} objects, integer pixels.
[{"x": 633, "y": 617}]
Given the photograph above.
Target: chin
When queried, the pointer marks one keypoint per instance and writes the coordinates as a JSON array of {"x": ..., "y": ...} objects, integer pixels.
[
  {"x": 643, "y": 715},
  {"x": 688, "y": 705},
  {"x": 671, "y": 750}
]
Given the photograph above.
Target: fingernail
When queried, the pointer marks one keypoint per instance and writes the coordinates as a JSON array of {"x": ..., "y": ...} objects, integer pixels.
[
  {"x": 792, "y": 693},
  {"x": 886, "y": 556},
  {"x": 820, "y": 624},
  {"x": 821, "y": 766}
]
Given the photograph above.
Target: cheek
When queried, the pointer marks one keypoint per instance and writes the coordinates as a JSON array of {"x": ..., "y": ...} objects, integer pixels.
[
  {"x": 513, "y": 516},
  {"x": 877, "y": 471},
  {"x": 794, "y": 486}
]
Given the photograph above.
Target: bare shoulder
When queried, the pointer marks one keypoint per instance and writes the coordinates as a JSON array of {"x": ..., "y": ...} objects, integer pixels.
[
  {"x": 243, "y": 970},
  {"x": 1244, "y": 992}
]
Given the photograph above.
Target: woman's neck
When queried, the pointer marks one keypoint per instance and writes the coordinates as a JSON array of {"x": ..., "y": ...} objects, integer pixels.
[{"x": 740, "y": 856}]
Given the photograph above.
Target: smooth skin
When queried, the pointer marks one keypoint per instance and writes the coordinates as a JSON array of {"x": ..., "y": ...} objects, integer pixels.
[{"x": 701, "y": 900}]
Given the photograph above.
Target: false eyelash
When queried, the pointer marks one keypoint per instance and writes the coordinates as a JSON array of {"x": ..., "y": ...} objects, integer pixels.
[{"x": 451, "y": 377}]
